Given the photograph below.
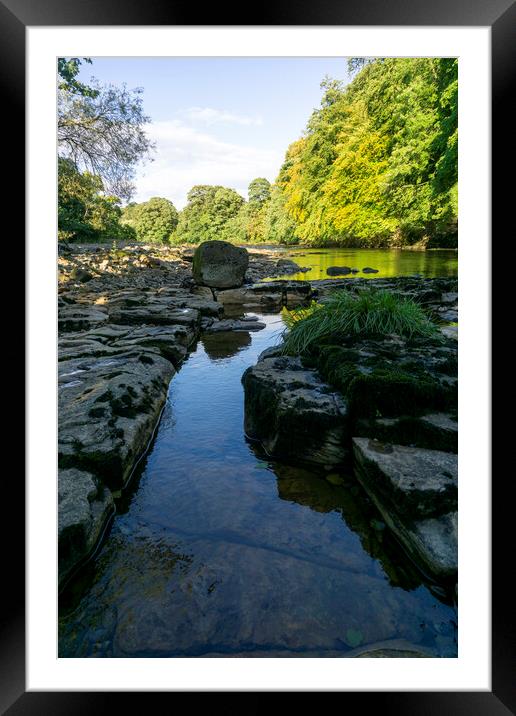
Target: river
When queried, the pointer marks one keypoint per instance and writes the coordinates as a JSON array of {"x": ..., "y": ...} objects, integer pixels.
[
  {"x": 217, "y": 550},
  {"x": 388, "y": 262}
]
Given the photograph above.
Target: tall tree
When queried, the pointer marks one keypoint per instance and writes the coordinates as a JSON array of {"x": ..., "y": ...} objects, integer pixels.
[{"x": 101, "y": 128}]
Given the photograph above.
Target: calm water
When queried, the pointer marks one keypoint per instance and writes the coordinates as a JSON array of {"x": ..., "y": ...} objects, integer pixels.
[
  {"x": 389, "y": 262},
  {"x": 217, "y": 550}
]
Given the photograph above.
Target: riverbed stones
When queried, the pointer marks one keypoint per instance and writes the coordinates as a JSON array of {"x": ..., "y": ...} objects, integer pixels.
[
  {"x": 415, "y": 491},
  {"x": 219, "y": 264},
  {"x": 293, "y": 414},
  {"x": 84, "y": 506}
]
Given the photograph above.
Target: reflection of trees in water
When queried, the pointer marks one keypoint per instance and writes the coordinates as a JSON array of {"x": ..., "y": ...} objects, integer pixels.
[
  {"x": 312, "y": 489},
  {"x": 225, "y": 344}
]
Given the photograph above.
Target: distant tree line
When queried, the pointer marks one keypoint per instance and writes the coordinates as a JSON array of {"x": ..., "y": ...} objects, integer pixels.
[{"x": 376, "y": 166}]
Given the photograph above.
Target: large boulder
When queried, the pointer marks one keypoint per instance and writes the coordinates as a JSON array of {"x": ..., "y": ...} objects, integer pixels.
[{"x": 219, "y": 264}]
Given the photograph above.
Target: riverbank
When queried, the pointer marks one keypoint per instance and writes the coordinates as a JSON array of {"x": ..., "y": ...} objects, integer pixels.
[{"x": 128, "y": 318}]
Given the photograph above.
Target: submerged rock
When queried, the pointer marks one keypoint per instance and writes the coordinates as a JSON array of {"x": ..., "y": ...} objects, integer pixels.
[
  {"x": 294, "y": 414},
  {"x": 219, "y": 264}
]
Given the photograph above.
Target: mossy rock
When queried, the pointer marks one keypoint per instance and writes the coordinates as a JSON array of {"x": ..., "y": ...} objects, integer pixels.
[{"x": 394, "y": 392}]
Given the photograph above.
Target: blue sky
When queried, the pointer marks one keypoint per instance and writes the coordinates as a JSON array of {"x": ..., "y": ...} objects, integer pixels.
[{"x": 218, "y": 120}]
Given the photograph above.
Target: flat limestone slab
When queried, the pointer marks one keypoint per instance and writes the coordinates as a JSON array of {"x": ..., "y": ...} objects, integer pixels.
[
  {"x": 419, "y": 482},
  {"x": 414, "y": 490}
]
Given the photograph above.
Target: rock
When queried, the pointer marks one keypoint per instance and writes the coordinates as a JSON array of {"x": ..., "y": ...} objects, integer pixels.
[
  {"x": 229, "y": 324},
  {"x": 436, "y": 431},
  {"x": 108, "y": 409},
  {"x": 294, "y": 414},
  {"x": 367, "y": 269},
  {"x": 79, "y": 274},
  {"x": 84, "y": 509},
  {"x": 451, "y": 332},
  {"x": 338, "y": 270},
  {"x": 203, "y": 292},
  {"x": 415, "y": 491},
  {"x": 449, "y": 297},
  {"x": 219, "y": 264},
  {"x": 268, "y": 295},
  {"x": 287, "y": 264},
  {"x": 76, "y": 318},
  {"x": 417, "y": 481}
]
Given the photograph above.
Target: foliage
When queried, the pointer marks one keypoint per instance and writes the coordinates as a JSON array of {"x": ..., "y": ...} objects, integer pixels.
[
  {"x": 84, "y": 212},
  {"x": 377, "y": 164},
  {"x": 101, "y": 128},
  {"x": 67, "y": 71},
  {"x": 259, "y": 191},
  {"x": 207, "y": 214},
  {"x": 346, "y": 314},
  {"x": 153, "y": 220}
]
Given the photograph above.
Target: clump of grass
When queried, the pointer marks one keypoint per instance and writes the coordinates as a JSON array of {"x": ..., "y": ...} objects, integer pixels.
[{"x": 344, "y": 314}]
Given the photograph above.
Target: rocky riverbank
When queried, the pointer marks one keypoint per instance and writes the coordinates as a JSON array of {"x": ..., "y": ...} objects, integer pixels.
[
  {"x": 127, "y": 318},
  {"x": 384, "y": 407}
]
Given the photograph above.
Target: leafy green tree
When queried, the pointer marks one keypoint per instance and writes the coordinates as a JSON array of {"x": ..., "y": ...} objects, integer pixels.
[
  {"x": 259, "y": 191},
  {"x": 153, "y": 220},
  {"x": 377, "y": 164},
  {"x": 207, "y": 214},
  {"x": 68, "y": 71},
  {"x": 85, "y": 214},
  {"x": 279, "y": 227}
]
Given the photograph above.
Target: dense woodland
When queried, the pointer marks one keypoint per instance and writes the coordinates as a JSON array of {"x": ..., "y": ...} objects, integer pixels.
[{"x": 375, "y": 167}]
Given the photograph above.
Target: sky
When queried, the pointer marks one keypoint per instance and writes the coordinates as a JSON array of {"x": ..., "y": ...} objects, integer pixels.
[{"x": 217, "y": 120}]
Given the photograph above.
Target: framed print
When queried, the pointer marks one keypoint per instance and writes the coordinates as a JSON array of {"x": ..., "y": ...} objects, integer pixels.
[{"x": 214, "y": 586}]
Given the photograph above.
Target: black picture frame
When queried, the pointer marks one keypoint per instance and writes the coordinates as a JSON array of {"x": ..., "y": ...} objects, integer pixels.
[{"x": 500, "y": 16}]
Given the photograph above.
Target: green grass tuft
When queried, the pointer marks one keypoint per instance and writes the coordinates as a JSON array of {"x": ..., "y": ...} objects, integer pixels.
[{"x": 344, "y": 314}]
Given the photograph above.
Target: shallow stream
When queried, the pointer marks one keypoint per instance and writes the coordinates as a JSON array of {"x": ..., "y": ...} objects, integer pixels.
[{"x": 218, "y": 551}]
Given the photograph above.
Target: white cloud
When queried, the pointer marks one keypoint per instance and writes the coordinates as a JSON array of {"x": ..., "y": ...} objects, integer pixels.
[
  {"x": 185, "y": 156},
  {"x": 210, "y": 116}
]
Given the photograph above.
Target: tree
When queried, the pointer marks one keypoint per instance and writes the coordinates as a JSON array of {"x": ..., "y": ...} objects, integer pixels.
[
  {"x": 259, "y": 191},
  {"x": 153, "y": 220},
  {"x": 101, "y": 128},
  {"x": 377, "y": 164},
  {"x": 207, "y": 214},
  {"x": 67, "y": 71},
  {"x": 84, "y": 212}
]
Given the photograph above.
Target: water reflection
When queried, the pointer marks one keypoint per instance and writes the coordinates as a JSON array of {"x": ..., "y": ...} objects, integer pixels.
[
  {"x": 225, "y": 344},
  {"x": 389, "y": 262}
]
